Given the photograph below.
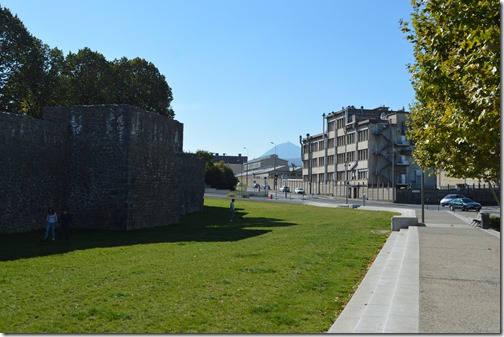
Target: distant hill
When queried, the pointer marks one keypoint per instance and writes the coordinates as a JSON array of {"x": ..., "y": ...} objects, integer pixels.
[{"x": 287, "y": 151}]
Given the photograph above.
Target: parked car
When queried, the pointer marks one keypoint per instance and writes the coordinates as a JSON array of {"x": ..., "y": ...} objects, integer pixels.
[
  {"x": 299, "y": 190},
  {"x": 285, "y": 189},
  {"x": 446, "y": 200},
  {"x": 464, "y": 204}
]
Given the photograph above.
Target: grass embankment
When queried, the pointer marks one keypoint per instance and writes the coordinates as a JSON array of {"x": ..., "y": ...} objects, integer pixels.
[{"x": 282, "y": 269}]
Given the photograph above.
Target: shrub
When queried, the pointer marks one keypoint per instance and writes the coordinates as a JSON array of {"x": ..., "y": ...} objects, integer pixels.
[{"x": 495, "y": 223}]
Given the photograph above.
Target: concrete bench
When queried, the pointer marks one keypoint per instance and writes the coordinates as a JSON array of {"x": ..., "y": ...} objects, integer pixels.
[{"x": 407, "y": 218}]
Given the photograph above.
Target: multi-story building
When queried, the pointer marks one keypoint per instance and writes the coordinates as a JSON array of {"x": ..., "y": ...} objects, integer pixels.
[
  {"x": 235, "y": 163},
  {"x": 263, "y": 170},
  {"x": 360, "y": 148}
]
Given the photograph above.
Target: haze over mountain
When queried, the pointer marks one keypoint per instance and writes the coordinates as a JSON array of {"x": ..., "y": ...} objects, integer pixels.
[{"x": 287, "y": 151}]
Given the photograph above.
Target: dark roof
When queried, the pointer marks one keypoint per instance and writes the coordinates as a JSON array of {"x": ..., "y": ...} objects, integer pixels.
[{"x": 230, "y": 159}]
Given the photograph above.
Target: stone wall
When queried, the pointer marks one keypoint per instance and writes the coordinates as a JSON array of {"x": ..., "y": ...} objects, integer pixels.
[
  {"x": 115, "y": 166},
  {"x": 33, "y": 172}
]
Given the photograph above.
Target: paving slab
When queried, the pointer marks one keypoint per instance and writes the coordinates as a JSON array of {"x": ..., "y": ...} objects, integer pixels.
[
  {"x": 440, "y": 277},
  {"x": 460, "y": 285}
]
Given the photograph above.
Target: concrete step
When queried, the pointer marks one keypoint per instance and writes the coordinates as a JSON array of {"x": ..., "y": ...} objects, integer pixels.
[{"x": 387, "y": 300}]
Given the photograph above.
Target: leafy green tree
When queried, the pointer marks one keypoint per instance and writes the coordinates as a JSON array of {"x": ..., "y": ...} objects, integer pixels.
[
  {"x": 15, "y": 43},
  {"x": 206, "y": 156},
  {"x": 217, "y": 175},
  {"x": 140, "y": 83},
  {"x": 227, "y": 177},
  {"x": 54, "y": 90},
  {"x": 32, "y": 76},
  {"x": 455, "y": 120},
  {"x": 21, "y": 66},
  {"x": 89, "y": 78}
]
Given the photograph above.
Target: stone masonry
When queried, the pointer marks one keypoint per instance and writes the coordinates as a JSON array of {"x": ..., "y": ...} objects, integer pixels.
[{"x": 116, "y": 167}]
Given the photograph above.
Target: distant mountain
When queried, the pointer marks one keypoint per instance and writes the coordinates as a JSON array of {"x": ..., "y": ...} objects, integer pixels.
[{"x": 287, "y": 151}]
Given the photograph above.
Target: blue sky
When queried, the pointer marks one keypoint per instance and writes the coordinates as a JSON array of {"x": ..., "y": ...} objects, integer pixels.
[{"x": 245, "y": 73}]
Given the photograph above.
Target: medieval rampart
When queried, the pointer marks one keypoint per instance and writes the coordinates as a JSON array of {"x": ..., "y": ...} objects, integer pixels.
[{"x": 115, "y": 166}]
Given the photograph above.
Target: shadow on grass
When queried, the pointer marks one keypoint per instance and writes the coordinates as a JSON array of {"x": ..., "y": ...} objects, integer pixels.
[{"x": 210, "y": 225}]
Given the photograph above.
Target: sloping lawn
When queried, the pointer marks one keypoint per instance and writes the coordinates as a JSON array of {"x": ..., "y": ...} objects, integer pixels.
[{"x": 281, "y": 269}]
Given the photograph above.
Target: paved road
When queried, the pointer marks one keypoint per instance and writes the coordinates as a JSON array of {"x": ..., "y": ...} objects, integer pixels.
[{"x": 296, "y": 198}]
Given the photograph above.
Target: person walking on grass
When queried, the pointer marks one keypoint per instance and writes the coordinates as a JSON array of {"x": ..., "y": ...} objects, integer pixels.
[
  {"x": 231, "y": 210},
  {"x": 51, "y": 220}
]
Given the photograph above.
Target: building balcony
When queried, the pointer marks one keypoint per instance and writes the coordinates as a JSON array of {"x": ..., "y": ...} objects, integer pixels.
[
  {"x": 402, "y": 142},
  {"x": 402, "y": 162}
]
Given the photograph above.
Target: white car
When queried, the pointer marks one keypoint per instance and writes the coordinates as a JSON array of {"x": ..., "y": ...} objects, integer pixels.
[
  {"x": 446, "y": 200},
  {"x": 299, "y": 190}
]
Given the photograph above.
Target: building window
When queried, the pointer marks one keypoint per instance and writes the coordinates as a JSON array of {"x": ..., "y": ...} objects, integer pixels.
[
  {"x": 351, "y": 156},
  {"x": 363, "y": 135},
  {"x": 330, "y": 160},
  {"x": 340, "y": 123},
  {"x": 341, "y": 158},
  {"x": 341, "y": 140},
  {"x": 351, "y": 138},
  {"x": 363, "y": 154},
  {"x": 330, "y": 143},
  {"x": 362, "y": 174},
  {"x": 330, "y": 127},
  {"x": 314, "y": 162},
  {"x": 321, "y": 161}
]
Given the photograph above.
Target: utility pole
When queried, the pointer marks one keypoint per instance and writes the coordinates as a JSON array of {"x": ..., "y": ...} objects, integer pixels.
[
  {"x": 274, "y": 174},
  {"x": 246, "y": 171}
]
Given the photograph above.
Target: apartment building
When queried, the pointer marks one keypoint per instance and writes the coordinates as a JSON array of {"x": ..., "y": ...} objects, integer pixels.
[{"x": 361, "y": 148}]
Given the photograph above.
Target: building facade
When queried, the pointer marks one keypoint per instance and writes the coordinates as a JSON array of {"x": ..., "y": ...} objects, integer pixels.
[
  {"x": 262, "y": 171},
  {"x": 361, "y": 148},
  {"x": 235, "y": 163}
]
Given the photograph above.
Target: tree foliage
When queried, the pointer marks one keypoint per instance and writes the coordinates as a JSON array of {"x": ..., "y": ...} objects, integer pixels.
[
  {"x": 140, "y": 83},
  {"x": 88, "y": 77},
  {"x": 32, "y": 76},
  {"x": 455, "y": 120},
  {"x": 217, "y": 175},
  {"x": 21, "y": 65}
]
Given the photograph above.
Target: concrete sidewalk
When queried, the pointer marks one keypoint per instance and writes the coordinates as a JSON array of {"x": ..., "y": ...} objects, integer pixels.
[
  {"x": 460, "y": 277},
  {"x": 440, "y": 277}
]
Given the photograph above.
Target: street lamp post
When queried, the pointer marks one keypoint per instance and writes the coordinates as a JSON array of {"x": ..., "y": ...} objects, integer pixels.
[
  {"x": 274, "y": 173},
  {"x": 246, "y": 171},
  {"x": 392, "y": 140},
  {"x": 325, "y": 136},
  {"x": 309, "y": 162}
]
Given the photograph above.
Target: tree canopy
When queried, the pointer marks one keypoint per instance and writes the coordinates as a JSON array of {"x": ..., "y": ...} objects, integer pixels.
[
  {"x": 32, "y": 75},
  {"x": 455, "y": 119},
  {"x": 217, "y": 175}
]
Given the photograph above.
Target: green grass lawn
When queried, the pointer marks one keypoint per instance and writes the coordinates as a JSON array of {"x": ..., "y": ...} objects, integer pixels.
[{"x": 282, "y": 269}]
